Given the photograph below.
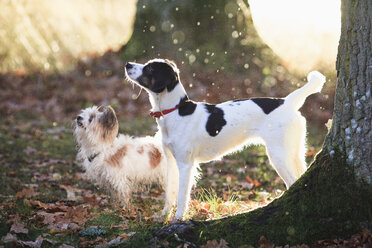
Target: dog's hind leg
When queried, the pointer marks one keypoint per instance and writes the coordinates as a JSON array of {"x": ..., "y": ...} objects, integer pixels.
[
  {"x": 171, "y": 188},
  {"x": 278, "y": 158},
  {"x": 185, "y": 184},
  {"x": 298, "y": 142},
  {"x": 296, "y": 145},
  {"x": 286, "y": 151}
]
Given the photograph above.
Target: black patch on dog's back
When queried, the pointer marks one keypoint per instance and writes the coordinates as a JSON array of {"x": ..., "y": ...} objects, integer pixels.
[
  {"x": 186, "y": 107},
  {"x": 215, "y": 120},
  {"x": 268, "y": 104}
]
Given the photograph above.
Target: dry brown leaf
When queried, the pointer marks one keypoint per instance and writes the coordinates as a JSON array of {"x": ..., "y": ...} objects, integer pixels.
[
  {"x": 26, "y": 193},
  {"x": 34, "y": 244},
  {"x": 264, "y": 243},
  {"x": 47, "y": 218},
  {"x": 71, "y": 192},
  {"x": 249, "y": 179},
  {"x": 66, "y": 246},
  {"x": 91, "y": 243},
  {"x": 210, "y": 244},
  {"x": 126, "y": 236},
  {"x": 39, "y": 204},
  {"x": 17, "y": 226},
  {"x": 9, "y": 238},
  {"x": 37, "y": 243},
  {"x": 223, "y": 244},
  {"x": 92, "y": 199}
]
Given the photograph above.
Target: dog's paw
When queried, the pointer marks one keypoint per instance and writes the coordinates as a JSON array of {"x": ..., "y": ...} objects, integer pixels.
[
  {"x": 165, "y": 212},
  {"x": 173, "y": 220},
  {"x": 178, "y": 216}
]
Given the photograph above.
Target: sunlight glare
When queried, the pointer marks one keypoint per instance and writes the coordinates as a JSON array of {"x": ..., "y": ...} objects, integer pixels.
[{"x": 303, "y": 33}]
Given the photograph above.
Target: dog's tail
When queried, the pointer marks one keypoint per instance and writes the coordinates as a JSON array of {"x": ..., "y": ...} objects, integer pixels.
[{"x": 315, "y": 83}]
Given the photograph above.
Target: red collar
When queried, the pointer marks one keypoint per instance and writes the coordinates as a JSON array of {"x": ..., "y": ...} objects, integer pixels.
[{"x": 164, "y": 112}]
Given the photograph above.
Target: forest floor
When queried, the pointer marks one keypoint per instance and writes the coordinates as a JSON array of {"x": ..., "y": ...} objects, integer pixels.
[{"x": 45, "y": 198}]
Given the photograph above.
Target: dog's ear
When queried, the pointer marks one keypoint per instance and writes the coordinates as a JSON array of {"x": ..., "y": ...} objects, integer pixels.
[
  {"x": 109, "y": 122},
  {"x": 165, "y": 76},
  {"x": 108, "y": 118}
]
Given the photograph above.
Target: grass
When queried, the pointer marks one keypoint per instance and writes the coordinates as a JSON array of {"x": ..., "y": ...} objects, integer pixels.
[{"x": 41, "y": 155}]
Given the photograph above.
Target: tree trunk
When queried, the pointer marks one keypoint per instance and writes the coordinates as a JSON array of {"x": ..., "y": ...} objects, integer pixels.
[
  {"x": 351, "y": 130},
  {"x": 213, "y": 33},
  {"x": 334, "y": 197}
]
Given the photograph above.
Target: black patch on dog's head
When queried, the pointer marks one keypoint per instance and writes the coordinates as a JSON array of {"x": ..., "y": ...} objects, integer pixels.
[
  {"x": 268, "y": 104},
  {"x": 186, "y": 107},
  {"x": 158, "y": 76},
  {"x": 215, "y": 120}
]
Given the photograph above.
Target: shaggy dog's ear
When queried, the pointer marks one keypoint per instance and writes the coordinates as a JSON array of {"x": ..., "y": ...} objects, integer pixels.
[
  {"x": 109, "y": 122},
  {"x": 108, "y": 118}
]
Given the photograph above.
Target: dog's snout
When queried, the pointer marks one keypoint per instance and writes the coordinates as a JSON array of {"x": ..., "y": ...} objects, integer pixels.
[
  {"x": 128, "y": 65},
  {"x": 79, "y": 118}
]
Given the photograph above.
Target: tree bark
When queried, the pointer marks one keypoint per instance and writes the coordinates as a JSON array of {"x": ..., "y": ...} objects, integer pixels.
[
  {"x": 334, "y": 197},
  {"x": 351, "y": 130}
]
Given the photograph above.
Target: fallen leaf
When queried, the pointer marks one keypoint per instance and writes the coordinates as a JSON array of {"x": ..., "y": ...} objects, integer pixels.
[
  {"x": 37, "y": 243},
  {"x": 210, "y": 244},
  {"x": 223, "y": 244},
  {"x": 71, "y": 192},
  {"x": 249, "y": 179},
  {"x": 9, "y": 238},
  {"x": 34, "y": 244},
  {"x": 48, "y": 218},
  {"x": 92, "y": 199},
  {"x": 11, "y": 173},
  {"x": 256, "y": 183},
  {"x": 264, "y": 243},
  {"x": 26, "y": 193},
  {"x": 66, "y": 246},
  {"x": 18, "y": 227},
  {"x": 114, "y": 242},
  {"x": 126, "y": 236},
  {"x": 91, "y": 243},
  {"x": 39, "y": 204}
]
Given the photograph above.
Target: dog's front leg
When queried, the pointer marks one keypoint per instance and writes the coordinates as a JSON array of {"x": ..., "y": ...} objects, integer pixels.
[
  {"x": 171, "y": 188},
  {"x": 185, "y": 184}
]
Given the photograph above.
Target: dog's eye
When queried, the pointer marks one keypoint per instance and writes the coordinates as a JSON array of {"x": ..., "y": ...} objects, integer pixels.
[{"x": 91, "y": 118}]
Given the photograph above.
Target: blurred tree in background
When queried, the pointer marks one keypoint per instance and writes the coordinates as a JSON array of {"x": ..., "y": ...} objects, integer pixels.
[
  {"x": 215, "y": 33},
  {"x": 51, "y": 35}
]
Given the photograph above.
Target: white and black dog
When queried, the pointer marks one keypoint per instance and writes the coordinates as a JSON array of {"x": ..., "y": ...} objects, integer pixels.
[{"x": 195, "y": 132}]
